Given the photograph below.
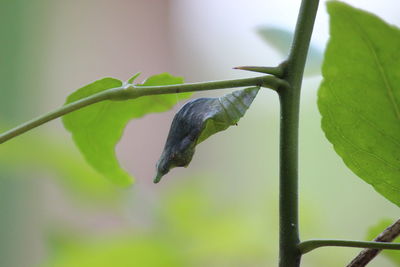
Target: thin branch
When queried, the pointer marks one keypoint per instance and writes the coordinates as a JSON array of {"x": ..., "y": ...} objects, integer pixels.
[
  {"x": 130, "y": 92},
  {"x": 365, "y": 256},
  {"x": 310, "y": 245},
  {"x": 29, "y": 125}
]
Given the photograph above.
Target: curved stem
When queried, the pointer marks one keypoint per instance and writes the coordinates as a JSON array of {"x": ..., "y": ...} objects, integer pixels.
[
  {"x": 29, "y": 125},
  {"x": 131, "y": 92},
  {"x": 310, "y": 245},
  {"x": 290, "y": 100}
]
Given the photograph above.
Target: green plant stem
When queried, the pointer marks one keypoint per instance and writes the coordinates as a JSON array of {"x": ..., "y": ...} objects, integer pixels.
[
  {"x": 310, "y": 245},
  {"x": 29, "y": 125},
  {"x": 130, "y": 92},
  {"x": 289, "y": 254}
]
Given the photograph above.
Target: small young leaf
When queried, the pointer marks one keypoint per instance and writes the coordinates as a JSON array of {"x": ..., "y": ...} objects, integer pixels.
[
  {"x": 359, "y": 98},
  {"x": 133, "y": 78},
  {"x": 96, "y": 129},
  {"x": 196, "y": 121}
]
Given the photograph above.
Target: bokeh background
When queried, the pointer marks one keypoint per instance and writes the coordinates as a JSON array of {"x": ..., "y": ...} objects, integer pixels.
[{"x": 55, "y": 211}]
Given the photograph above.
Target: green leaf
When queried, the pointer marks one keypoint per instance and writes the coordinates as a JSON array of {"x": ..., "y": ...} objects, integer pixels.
[
  {"x": 196, "y": 121},
  {"x": 63, "y": 162},
  {"x": 375, "y": 230},
  {"x": 96, "y": 129},
  {"x": 281, "y": 39},
  {"x": 359, "y": 97}
]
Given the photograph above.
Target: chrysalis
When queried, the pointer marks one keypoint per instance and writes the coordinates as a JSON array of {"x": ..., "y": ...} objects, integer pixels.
[{"x": 196, "y": 121}]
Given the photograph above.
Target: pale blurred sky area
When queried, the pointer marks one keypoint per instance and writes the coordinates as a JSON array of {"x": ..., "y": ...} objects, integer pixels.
[{"x": 222, "y": 209}]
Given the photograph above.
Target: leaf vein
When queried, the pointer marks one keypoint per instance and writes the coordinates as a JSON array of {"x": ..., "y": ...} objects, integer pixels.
[
  {"x": 382, "y": 72},
  {"x": 357, "y": 148},
  {"x": 359, "y": 115}
]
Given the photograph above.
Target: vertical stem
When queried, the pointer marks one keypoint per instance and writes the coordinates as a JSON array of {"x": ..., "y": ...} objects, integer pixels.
[{"x": 290, "y": 99}]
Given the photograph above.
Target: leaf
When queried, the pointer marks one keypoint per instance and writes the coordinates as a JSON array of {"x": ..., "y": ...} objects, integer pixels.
[
  {"x": 196, "y": 121},
  {"x": 133, "y": 78},
  {"x": 281, "y": 39},
  {"x": 359, "y": 97},
  {"x": 63, "y": 162},
  {"x": 96, "y": 129},
  {"x": 375, "y": 230}
]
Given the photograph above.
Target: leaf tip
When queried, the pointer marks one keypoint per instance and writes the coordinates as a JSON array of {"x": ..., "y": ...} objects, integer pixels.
[{"x": 333, "y": 5}]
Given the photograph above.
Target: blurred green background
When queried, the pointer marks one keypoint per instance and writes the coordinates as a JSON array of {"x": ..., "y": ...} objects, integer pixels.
[{"x": 222, "y": 210}]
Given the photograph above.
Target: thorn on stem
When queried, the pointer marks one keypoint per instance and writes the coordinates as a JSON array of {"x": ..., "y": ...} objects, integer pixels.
[{"x": 276, "y": 71}]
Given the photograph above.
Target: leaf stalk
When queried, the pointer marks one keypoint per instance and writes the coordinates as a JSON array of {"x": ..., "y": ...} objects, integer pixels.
[
  {"x": 309, "y": 245},
  {"x": 135, "y": 91}
]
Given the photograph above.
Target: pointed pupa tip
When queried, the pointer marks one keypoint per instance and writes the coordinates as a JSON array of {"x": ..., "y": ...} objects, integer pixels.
[{"x": 157, "y": 179}]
